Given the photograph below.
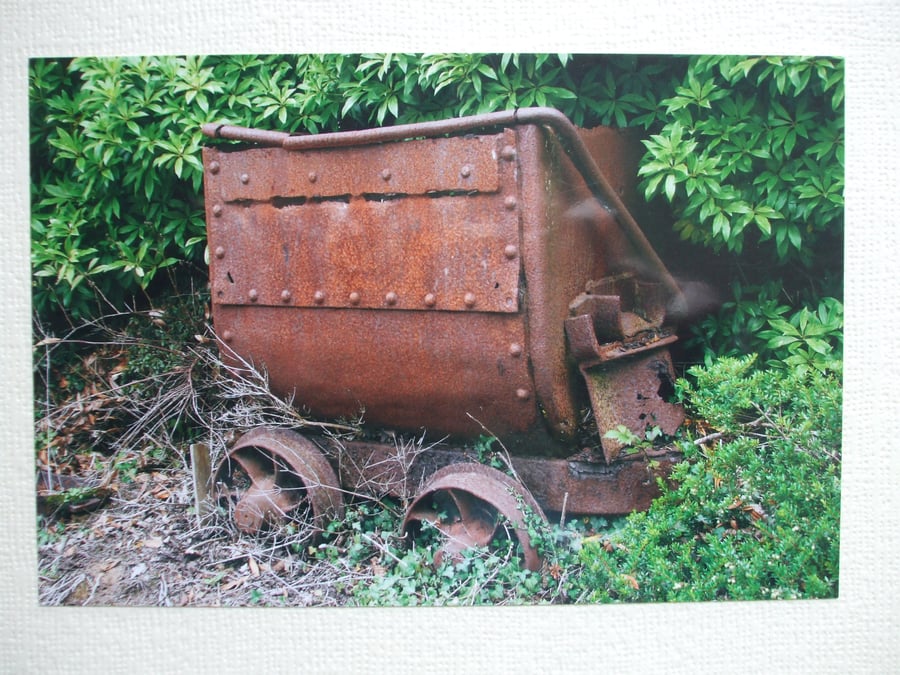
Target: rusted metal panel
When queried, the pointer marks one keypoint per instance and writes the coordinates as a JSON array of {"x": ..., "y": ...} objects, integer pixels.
[
  {"x": 568, "y": 239},
  {"x": 403, "y": 370},
  {"x": 445, "y": 253},
  {"x": 617, "y": 338},
  {"x": 468, "y": 164},
  {"x": 570, "y": 138},
  {"x": 631, "y": 392}
]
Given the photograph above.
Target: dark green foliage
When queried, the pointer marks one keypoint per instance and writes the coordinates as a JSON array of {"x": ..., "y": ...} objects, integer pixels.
[
  {"x": 754, "y": 516},
  {"x": 116, "y": 178},
  {"x": 757, "y": 321},
  {"x": 752, "y": 152},
  {"x": 750, "y": 160}
]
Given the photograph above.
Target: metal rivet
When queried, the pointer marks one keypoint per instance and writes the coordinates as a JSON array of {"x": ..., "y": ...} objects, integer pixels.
[
  {"x": 245, "y": 178},
  {"x": 386, "y": 174},
  {"x": 220, "y": 252},
  {"x": 285, "y": 295},
  {"x": 508, "y": 153},
  {"x": 318, "y": 297},
  {"x": 354, "y": 298},
  {"x": 466, "y": 171},
  {"x": 523, "y": 394},
  {"x": 430, "y": 300},
  {"x": 510, "y": 203},
  {"x": 253, "y": 295},
  {"x": 217, "y": 210},
  {"x": 515, "y": 349},
  {"x": 511, "y": 251},
  {"x": 214, "y": 167},
  {"x": 469, "y": 300},
  {"x": 313, "y": 177},
  {"x": 391, "y": 298},
  {"x": 228, "y": 336}
]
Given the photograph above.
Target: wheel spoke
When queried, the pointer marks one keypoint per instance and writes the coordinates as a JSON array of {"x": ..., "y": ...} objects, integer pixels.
[
  {"x": 286, "y": 472},
  {"x": 477, "y": 519},
  {"x": 424, "y": 514},
  {"x": 468, "y": 503}
]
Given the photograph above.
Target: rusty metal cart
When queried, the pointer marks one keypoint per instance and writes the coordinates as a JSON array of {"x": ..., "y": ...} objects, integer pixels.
[{"x": 453, "y": 277}]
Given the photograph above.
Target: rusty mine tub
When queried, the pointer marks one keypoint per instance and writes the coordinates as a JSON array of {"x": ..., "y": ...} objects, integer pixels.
[{"x": 464, "y": 277}]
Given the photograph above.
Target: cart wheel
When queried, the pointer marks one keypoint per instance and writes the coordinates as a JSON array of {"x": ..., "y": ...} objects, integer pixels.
[
  {"x": 275, "y": 477},
  {"x": 471, "y": 505}
]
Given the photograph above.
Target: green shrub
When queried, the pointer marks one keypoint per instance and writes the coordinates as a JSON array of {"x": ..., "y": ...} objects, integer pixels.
[
  {"x": 750, "y": 161},
  {"x": 751, "y": 152},
  {"x": 757, "y": 321},
  {"x": 755, "y": 515}
]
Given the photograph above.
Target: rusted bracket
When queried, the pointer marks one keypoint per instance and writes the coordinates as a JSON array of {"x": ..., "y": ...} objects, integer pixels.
[{"x": 623, "y": 357}]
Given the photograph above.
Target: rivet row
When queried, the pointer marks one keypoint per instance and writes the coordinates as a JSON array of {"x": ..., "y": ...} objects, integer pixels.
[
  {"x": 466, "y": 171},
  {"x": 390, "y": 298}
]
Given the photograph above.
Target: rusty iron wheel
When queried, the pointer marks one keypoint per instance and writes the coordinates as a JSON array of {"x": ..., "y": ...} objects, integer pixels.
[
  {"x": 275, "y": 477},
  {"x": 471, "y": 505}
]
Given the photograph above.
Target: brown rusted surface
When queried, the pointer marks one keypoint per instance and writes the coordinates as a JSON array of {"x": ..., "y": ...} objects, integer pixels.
[
  {"x": 417, "y": 168},
  {"x": 568, "y": 135},
  {"x": 617, "y": 338},
  {"x": 272, "y": 476},
  {"x": 492, "y": 282},
  {"x": 567, "y": 237},
  {"x": 621, "y": 306},
  {"x": 430, "y": 253},
  {"x": 579, "y": 487},
  {"x": 400, "y": 371},
  {"x": 470, "y": 504},
  {"x": 630, "y": 392},
  {"x": 574, "y": 485}
]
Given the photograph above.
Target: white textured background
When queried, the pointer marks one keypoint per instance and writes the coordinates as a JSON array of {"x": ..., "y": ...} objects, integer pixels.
[{"x": 859, "y": 632}]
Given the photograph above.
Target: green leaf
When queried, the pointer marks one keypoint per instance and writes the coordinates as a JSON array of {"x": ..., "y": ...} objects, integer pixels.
[
  {"x": 670, "y": 187},
  {"x": 796, "y": 238}
]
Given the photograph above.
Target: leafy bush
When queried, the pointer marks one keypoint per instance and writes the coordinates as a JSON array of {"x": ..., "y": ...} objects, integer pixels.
[
  {"x": 750, "y": 160},
  {"x": 757, "y": 321},
  {"x": 741, "y": 167},
  {"x": 755, "y": 515}
]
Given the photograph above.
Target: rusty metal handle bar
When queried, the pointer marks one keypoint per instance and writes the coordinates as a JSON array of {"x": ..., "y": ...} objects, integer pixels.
[{"x": 565, "y": 131}]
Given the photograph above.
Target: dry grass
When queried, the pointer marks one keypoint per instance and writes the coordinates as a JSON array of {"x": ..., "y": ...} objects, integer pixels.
[{"x": 146, "y": 545}]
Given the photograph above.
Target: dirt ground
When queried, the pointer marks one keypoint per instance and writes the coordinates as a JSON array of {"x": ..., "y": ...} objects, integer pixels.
[{"x": 144, "y": 546}]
